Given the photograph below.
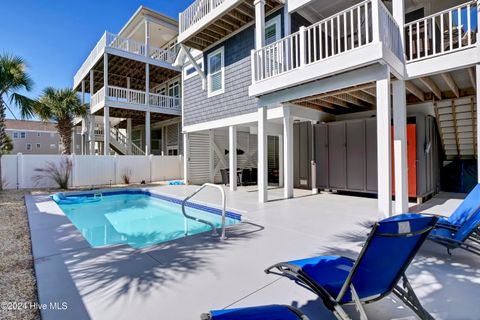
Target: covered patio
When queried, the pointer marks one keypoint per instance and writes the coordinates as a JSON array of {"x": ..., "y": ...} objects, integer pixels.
[{"x": 202, "y": 273}]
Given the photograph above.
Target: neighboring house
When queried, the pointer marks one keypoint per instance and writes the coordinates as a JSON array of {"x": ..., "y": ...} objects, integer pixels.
[
  {"x": 299, "y": 92},
  {"x": 33, "y": 137},
  {"x": 133, "y": 89}
]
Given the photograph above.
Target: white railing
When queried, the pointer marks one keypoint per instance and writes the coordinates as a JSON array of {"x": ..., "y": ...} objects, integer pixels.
[
  {"x": 126, "y": 95},
  {"x": 129, "y": 147},
  {"x": 97, "y": 98},
  {"x": 196, "y": 11},
  {"x": 443, "y": 32},
  {"x": 167, "y": 102},
  {"x": 365, "y": 23},
  {"x": 110, "y": 40}
]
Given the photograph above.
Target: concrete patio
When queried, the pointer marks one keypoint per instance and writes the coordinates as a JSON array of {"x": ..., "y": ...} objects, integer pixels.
[{"x": 185, "y": 277}]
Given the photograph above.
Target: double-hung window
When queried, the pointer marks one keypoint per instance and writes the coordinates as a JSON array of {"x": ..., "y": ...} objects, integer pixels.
[
  {"x": 273, "y": 34},
  {"x": 216, "y": 72}
]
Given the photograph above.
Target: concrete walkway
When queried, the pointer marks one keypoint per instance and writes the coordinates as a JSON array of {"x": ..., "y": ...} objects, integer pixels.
[{"x": 183, "y": 278}]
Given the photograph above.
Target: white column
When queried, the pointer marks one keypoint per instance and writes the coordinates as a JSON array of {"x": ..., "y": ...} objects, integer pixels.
[
  {"x": 147, "y": 84},
  {"x": 313, "y": 160},
  {"x": 147, "y": 133},
  {"x": 129, "y": 135},
  {"x": 398, "y": 9},
  {"x": 106, "y": 130},
  {"x": 232, "y": 156},
  {"x": 186, "y": 158},
  {"x": 287, "y": 153},
  {"x": 259, "y": 23},
  {"x": 400, "y": 146},
  {"x": 478, "y": 120},
  {"x": 128, "y": 82},
  {"x": 287, "y": 23},
  {"x": 84, "y": 122},
  {"x": 147, "y": 38},
  {"x": 106, "y": 110},
  {"x": 262, "y": 155},
  {"x": 384, "y": 152},
  {"x": 91, "y": 118},
  {"x": 211, "y": 156},
  {"x": 164, "y": 140}
]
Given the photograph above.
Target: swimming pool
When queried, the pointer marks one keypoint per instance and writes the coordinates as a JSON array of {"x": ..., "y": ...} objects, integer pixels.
[{"x": 138, "y": 218}]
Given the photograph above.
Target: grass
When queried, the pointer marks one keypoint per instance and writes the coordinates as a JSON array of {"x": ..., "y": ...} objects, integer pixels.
[{"x": 17, "y": 275}]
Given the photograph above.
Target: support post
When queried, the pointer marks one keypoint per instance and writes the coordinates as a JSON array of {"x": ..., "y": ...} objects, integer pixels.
[
  {"x": 147, "y": 133},
  {"x": 477, "y": 68},
  {"x": 186, "y": 159},
  {"x": 398, "y": 10},
  {"x": 262, "y": 155},
  {"x": 106, "y": 130},
  {"x": 84, "y": 121},
  {"x": 400, "y": 146},
  {"x": 147, "y": 38},
  {"x": 91, "y": 117},
  {"x": 232, "y": 157},
  {"x": 280, "y": 162},
  {"x": 287, "y": 153},
  {"x": 384, "y": 153},
  {"x": 211, "y": 156},
  {"x": 129, "y": 135},
  {"x": 259, "y": 23}
]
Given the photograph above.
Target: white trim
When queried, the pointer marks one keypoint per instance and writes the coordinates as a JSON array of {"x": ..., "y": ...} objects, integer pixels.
[
  {"x": 189, "y": 65},
  {"x": 220, "y": 51},
  {"x": 23, "y": 130}
]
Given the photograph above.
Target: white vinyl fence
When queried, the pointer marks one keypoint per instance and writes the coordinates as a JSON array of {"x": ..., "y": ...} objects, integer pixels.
[{"x": 18, "y": 171}]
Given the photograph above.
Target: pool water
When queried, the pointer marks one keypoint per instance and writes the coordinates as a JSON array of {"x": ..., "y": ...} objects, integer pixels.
[{"x": 139, "y": 220}]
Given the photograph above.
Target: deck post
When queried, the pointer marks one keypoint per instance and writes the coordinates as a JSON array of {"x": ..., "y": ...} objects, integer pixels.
[
  {"x": 129, "y": 135},
  {"x": 186, "y": 159},
  {"x": 384, "y": 152},
  {"x": 259, "y": 23},
  {"x": 477, "y": 71},
  {"x": 84, "y": 122},
  {"x": 147, "y": 38},
  {"x": 280, "y": 162},
  {"x": 91, "y": 117},
  {"x": 400, "y": 146},
  {"x": 287, "y": 153},
  {"x": 147, "y": 133},
  {"x": 232, "y": 157},
  {"x": 262, "y": 155},
  {"x": 106, "y": 111}
]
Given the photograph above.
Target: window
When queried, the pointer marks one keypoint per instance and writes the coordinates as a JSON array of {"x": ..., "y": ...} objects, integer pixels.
[
  {"x": 15, "y": 135},
  {"x": 28, "y": 146},
  {"x": 174, "y": 89},
  {"x": 161, "y": 91},
  {"x": 53, "y": 146},
  {"x": 216, "y": 72},
  {"x": 38, "y": 145},
  {"x": 22, "y": 135},
  {"x": 172, "y": 151},
  {"x": 272, "y": 30},
  {"x": 190, "y": 71},
  {"x": 39, "y": 134}
]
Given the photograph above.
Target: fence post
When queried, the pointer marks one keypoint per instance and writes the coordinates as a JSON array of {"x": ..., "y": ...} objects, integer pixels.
[
  {"x": 150, "y": 157},
  {"x": 73, "y": 173},
  {"x": 19, "y": 170}
]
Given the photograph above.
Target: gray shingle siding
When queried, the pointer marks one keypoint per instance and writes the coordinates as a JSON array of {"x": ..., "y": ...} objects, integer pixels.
[{"x": 198, "y": 107}]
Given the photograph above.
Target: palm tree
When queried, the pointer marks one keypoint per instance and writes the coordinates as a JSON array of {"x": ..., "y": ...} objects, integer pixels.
[
  {"x": 13, "y": 79},
  {"x": 60, "y": 106}
]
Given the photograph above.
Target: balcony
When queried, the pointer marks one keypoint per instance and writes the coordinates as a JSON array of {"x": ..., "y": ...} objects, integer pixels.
[
  {"x": 442, "y": 40},
  {"x": 112, "y": 43},
  {"x": 135, "y": 100},
  {"x": 205, "y": 22},
  {"x": 358, "y": 36}
]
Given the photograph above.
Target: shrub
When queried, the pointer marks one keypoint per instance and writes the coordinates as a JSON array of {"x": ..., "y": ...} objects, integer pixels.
[
  {"x": 60, "y": 174},
  {"x": 126, "y": 175}
]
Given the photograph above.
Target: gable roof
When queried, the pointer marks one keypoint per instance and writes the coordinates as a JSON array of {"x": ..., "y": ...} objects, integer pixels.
[{"x": 29, "y": 125}]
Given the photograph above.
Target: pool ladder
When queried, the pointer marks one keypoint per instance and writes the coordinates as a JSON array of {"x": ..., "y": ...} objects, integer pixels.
[{"x": 214, "y": 229}]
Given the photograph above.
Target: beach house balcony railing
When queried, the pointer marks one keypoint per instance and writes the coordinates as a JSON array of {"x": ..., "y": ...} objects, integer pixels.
[
  {"x": 196, "y": 11},
  {"x": 444, "y": 32},
  {"x": 110, "y": 40},
  {"x": 356, "y": 27},
  {"x": 124, "y": 96}
]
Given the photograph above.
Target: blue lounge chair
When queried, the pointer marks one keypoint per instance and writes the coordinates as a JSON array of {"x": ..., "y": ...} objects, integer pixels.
[
  {"x": 271, "y": 312},
  {"x": 465, "y": 210},
  {"x": 465, "y": 237},
  {"x": 381, "y": 264}
]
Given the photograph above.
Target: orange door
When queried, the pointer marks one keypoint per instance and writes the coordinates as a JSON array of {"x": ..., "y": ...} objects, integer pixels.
[{"x": 411, "y": 162}]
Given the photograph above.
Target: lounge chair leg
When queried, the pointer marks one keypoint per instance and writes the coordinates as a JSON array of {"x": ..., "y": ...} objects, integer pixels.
[
  {"x": 408, "y": 296},
  {"x": 358, "y": 303},
  {"x": 340, "y": 313}
]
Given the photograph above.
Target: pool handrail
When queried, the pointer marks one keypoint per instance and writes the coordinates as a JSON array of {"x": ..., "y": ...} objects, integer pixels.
[{"x": 214, "y": 229}]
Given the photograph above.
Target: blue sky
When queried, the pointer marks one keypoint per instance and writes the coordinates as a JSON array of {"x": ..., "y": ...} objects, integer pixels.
[{"x": 55, "y": 37}]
